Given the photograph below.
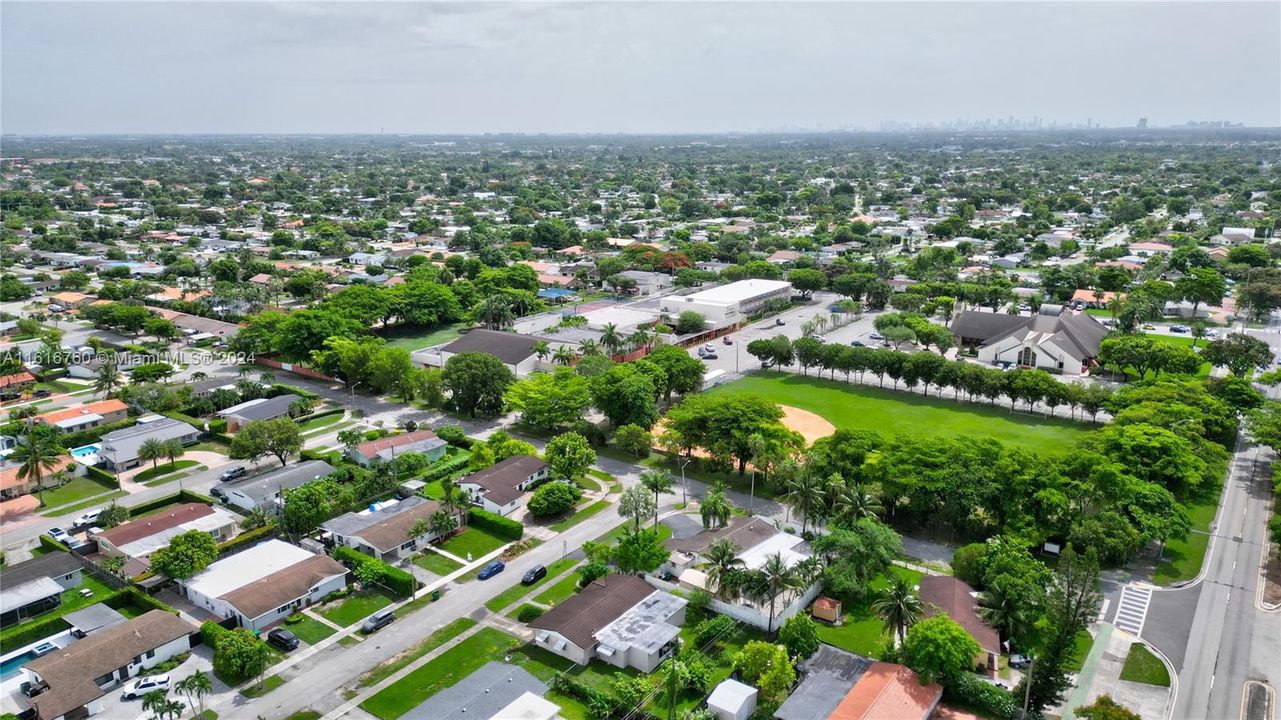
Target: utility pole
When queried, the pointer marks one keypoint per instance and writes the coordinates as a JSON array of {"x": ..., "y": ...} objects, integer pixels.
[{"x": 1027, "y": 686}]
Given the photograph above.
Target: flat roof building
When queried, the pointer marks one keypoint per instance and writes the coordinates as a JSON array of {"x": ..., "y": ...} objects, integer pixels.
[{"x": 728, "y": 305}]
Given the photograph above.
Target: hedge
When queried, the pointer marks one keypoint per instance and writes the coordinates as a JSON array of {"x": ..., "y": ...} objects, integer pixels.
[
  {"x": 134, "y": 596},
  {"x": 93, "y": 435},
  {"x": 48, "y": 543},
  {"x": 333, "y": 457},
  {"x": 245, "y": 538},
  {"x": 322, "y": 413},
  {"x": 495, "y": 524},
  {"x": 182, "y": 496},
  {"x": 103, "y": 476},
  {"x": 283, "y": 389},
  {"x": 27, "y": 633},
  {"x": 397, "y": 580},
  {"x": 196, "y": 423},
  {"x": 445, "y": 467},
  {"x": 969, "y": 692}
]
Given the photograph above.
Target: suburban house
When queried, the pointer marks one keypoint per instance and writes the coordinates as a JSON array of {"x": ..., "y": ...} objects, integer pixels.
[
  {"x": 887, "y": 690},
  {"x": 83, "y": 417},
  {"x": 120, "y": 447},
  {"x": 1094, "y": 298},
  {"x": 71, "y": 682},
  {"x": 386, "y": 449},
  {"x": 265, "y": 491},
  {"x": 620, "y": 619},
  {"x": 952, "y": 597},
  {"x": 35, "y": 586},
  {"x": 646, "y": 283},
  {"x": 827, "y": 677},
  {"x": 515, "y": 351},
  {"x": 264, "y": 584},
  {"x": 495, "y": 691},
  {"x": 259, "y": 409},
  {"x": 499, "y": 488},
  {"x": 728, "y": 305},
  {"x": 137, "y": 539},
  {"x": 1053, "y": 340},
  {"x": 383, "y": 530},
  {"x": 12, "y": 485},
  {"x": 17, "y": 381}
]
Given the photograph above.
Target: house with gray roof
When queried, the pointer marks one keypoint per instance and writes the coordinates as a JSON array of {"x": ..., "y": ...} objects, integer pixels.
[
  {"x": 258, "y": 409},
  {"x": 265, "y": 491},
  {"x": 35, "y": 586},
  {"x": 501, "y": 487},
  {"x": 384, "y": 529},
  {"x": 1054, "y": 339},
  {"x": 481, "y": 695},
  {"x": 829, "y": 675},
  {"x": 120, "y": 448}
]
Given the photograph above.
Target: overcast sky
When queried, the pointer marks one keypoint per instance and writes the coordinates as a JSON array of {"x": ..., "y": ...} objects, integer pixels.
[{"x": 219, "y": 67}]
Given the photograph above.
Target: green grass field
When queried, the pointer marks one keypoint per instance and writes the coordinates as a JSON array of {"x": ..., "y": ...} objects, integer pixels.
[
  {"x": 84, "y": 505},
  {"x": 1143, "y": 667},
  {"x": 858, "y": 407},
  {"x": 1181, "y": 559},
  {"x": 580, "y": 516},
  {"x": 354, "y": 608},
  {"x": 444, "y": 671},
  {"x": 309, "y": 630},
  {"x": 163, "y": 469},
  {"x": 268, "y": 684},
  {"x": 320, "y": 422},
  {"x": 473, "y": 540},
  {"x": 560, "y": 592},
  {"x": 436, "y": 563},
  {"x": 413, "y": 339},
  {"x": 433, "y": 641},
  {"x": 74, "y": 491},
  {"x": 1084, "y": 641},
  {"x": 863, "y": 631}
]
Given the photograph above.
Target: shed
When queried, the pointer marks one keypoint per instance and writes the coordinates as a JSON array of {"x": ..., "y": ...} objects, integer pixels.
[
  {"x": 732, "y": 700},
  {"x": 826, "y": 608}
]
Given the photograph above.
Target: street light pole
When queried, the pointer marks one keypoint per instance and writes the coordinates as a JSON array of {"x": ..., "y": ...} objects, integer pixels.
[{"x": 684, "y": 487}]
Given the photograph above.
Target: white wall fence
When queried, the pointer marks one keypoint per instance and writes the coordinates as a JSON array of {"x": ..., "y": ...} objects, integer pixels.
[{"x": 747, "y": 614}]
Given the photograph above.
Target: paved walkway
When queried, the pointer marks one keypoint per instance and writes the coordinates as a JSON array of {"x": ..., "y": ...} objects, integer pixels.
[{"x": 1101, "y": 675}]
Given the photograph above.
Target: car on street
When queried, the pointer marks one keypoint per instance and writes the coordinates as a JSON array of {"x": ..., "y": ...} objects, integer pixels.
[
  {"x": 858, "y": 343},
  {"x": 218, "y": 493},
  {"x": 728, "y": 340},
  {"x": 1149, "y": 327},
  {"x": 709, "y": 347},
  {"x": 1212, "y": 333},
  {"x": 282, "y": 639},
  {"x": 1020, "y": 661},
  {"x": 380, "y": 619},
  {"x": 142, "y": 686},
  {"x": 233, "y": 473},
  {"x": 87, "y": 519},
  {"x": 876, "y": 336},
  {"x": 779, "y": 322},
  {"x": 709, "y": 356},
  {"x": 536, "y": 573},
  {"x": 60, "y": 535},
  {"x": 1181, "y": 329},
  {"x": 491, "y": 570}
]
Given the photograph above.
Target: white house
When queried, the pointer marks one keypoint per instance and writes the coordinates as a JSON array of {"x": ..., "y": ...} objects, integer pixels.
[
  {"x": 515, "y": 351},
  {"x": 500, "y": 488},
  {"x": 266, "y": 583}
]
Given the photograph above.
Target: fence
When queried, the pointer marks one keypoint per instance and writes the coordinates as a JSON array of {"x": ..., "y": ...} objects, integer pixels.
[
  {"x": 292, "y": 368},
  {"x": 746, "y": 614}
]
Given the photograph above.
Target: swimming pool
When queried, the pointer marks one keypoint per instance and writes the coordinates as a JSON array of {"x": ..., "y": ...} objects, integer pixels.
[
  {"x": 13, "y": 665},
  {"x": 85, "y": 450}
]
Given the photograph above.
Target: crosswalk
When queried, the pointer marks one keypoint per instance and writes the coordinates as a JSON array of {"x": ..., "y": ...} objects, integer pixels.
[{"x": 1132, "y": 609}]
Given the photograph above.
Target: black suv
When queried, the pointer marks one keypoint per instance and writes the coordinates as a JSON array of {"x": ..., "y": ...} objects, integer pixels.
[
  {"x": 283, "y": 639},
  {"x": 536, "y": 573}
]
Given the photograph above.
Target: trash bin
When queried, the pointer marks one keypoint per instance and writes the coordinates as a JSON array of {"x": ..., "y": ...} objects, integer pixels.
[{"x": 435, "y": 595}]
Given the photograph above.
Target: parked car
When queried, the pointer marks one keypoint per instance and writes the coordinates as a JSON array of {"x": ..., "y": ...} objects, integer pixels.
[
  {"x": 779, "y": 322},
  {"x": 709, "y": 347},
  {"x": 60, "y": 535},
  {"x": 232, "y": 473},
  {"x": 380, "y": 619},
  {"x": 43, "y": 393},
  {"x": 491, "y": 570},
  {"x": 858, "y": 343},
  {"x": 536, "y": 573},
  {"x": 875, "y": 336},
  {"x": 87, "y": 519},
  {"x": 283, "y": 639},
  {"x": 218, "y": 493},
  {"x": 1212, "y": 333},
  {"x": 1020, "y": 661},
  {"x": 142, "y": 686},
  {"x": 10, "y": 395},
  {"x": 709, "y": 356}
]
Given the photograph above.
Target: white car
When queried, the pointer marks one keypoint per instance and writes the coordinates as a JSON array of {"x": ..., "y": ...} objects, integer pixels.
[
  {"x": 142, "y": 686},
  {"x": 88, "y": 518},
  {"x": 60, "y": 535},
  {"x": 1212, "y": 333}
]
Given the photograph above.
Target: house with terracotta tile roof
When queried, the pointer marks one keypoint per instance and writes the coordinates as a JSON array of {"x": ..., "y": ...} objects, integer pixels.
[
  {"x": 86, "y": 415},
  {"x": 887, "y": 691},
  {"x": 17, "y": 381},
  {"x": 12, "y": 486}
]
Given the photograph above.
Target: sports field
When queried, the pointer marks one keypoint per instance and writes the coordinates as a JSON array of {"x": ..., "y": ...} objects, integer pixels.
[{"x": 858, "y": 407}]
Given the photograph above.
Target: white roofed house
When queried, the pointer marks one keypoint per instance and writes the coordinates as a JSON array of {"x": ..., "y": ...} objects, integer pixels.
[
  {"x": 728, "y": 305},
  {"x": 120, "y": 448}
]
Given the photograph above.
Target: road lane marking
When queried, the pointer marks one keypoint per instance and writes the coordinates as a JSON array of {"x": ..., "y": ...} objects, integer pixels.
[{"x": 1132, "y": 609}]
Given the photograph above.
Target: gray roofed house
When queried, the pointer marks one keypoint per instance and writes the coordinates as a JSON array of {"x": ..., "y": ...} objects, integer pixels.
[
  {"x": 480, "y": 695},
  {"x": 265, "y": 491},
  {"x": 500, "y": 487},
  {"x": 829, "y": 674},
  {"x": 120, "y": 448},
  {"x": 383, "y": 530},
  {"x": 515, "y": 351},
  {"x": 258, "y": 409},
  {"x": 36, "y": 586},
  {"x": 1054, "y": 339},
  {"x": 975, "y": 328}
]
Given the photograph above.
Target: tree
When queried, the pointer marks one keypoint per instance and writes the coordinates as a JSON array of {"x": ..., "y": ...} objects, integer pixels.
[
  {"x": 799, "y": 634},
  {"x": 154, "y": 702},
  {"x": 683, "y": 373},
  {"x": 476, "y": 383},
  {"x": 723, "y": 425},
  {"x": 635, "y": 504},
  {"x": 767, "y": 667},
  {"x": 633, "y": 439},
  {"x": 307, "y": 506},
  {"x": 773, "y": 579},
  {"x": 1073, "y": 603},
  {"x": 806, "y": 280},
  {"x": 640, "y": 551},
  {"x": 554, "y": 498},
  {"x": 173, "y": 449},
  {"x": 37, "y": 454},
  {"x": 899, "y": 607},
  {"x": 569, "y": 455},
  {"x": 716, "y": 507},
  {"x": 238, "y": 655},
  {"x": 547, "y": 401},
  {"x": 1105, "y": 708},
  {"x": 151, "y": 450},
  {"x": 279, "y": 437},
  {"x": 186, "y": 555},
  {"x": 1239, "y": 353},
  {"x": 106, "y": 379},
  {"x": 1201, "y": 285},
  {"x": 855, "y": 553},
  {"x": 111, "y": 516},
  {"x": 443, "y": 523},
  {"x": 724, "y": 568},
  {"x": 196, "y": 684},
  {"x": 626, "y": 395},
  {"x": 937, "y": 648},
  {"x": 806, "y": 495},
  {"x": 657, "y": 482},
  {"x": 690, "y": 322}
]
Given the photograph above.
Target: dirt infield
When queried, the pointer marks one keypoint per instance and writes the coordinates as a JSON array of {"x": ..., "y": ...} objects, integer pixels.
[{"x": 811, "y": 426}]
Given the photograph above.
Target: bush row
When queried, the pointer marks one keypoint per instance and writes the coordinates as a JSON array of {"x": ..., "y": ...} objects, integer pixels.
[
  {"x": 283, "y": 389},
  {"x": 396, "y": 580},
  {"x": 182, "y": 496},
  {"x": 505, "y": 528},
  {"x": 103, "y": 476},
  {"x": 445, "y": 467}
]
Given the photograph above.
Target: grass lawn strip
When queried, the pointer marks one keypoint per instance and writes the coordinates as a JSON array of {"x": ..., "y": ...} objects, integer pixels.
[
  {"x": 1080, "y": 651},
  {"x": 516, "y": 592},
  {"x": 417, "y": 339},
  {"x": 580, "y": 516},
  {"x": 77, "y": 507},
  {"x": 75, "y": 490},
  {"x": 433, "y": 641},
  {"x": 472, "y": 540},
  {"x": 446, "y": 669},
  {"x": 860, "y": 407},
  {"x": 435, "y": 563},
  {"x": 559, "y": 592},
  {"x": 269, "y": 684},
  {"x": 309, "y": 630},
  {"x": 354, "y": 608},
  {"x": 1142, "y": 666},
  {"x": 160, "y": 471},
  {"x": 320, "y": 422}
]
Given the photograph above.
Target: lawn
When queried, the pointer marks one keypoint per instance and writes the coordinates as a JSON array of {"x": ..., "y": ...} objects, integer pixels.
[
  {"x": 84, "y": 505},
  {"x": 474, "y": 542},
  {"x": 448, "y": 668},
  {"x": 433, "y": 641},
  {"x": 305, "y": 715},
  {"x": 1142, "y": 666},
  {"x": 355, "y": 608},
  {"x": 75, "y": 490},
  {"x": 1084, "y": 641},
  {"x": 858, "y": 407},
  {"x": 309, "y": 630},
  {"x": 518, "y": 591},
  {"x": 320, "y": 422},
  {"x": 560, "y": 592},
  {"x": 71, "y": 601},
  {"x": 580, "y": 516},
  {"x": 863, "y": 631},
  {"x": 1181, "y": 559},
  {"x": 268, "y": 684},
  {"x": 413, "y": 339},
  {"x": 161, "y": 472},
  {"x": 436, "y": 563}
]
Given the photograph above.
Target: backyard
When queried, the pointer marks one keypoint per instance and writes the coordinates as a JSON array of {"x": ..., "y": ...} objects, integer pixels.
[
  {"x": 413, "y": 338},
  {"x": 863, "y": 631},
  {"x": 859, "y": 407}
]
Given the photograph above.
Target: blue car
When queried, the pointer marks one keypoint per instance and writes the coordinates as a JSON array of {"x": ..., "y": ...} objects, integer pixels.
[{"x": 491, "y": 570}]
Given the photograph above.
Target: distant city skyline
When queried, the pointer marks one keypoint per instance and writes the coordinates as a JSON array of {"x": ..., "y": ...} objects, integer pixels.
[{"x": 406, "y": 68}]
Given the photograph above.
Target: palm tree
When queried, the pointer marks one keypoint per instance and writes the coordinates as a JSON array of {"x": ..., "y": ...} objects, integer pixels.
[
  {"x": 775, "y": 577},
  {"x": 611, "y": 338},
  {"x": 197, "y": 684},
  {"x": 589, "y": 347},
  {"x": 657, "y": 482},
  {"x": 154, "y": 702},
  {"x": 716, "y": 507},
  {"x": 852, "y": 502},
  {"x": 723, "y": 566},
  {"x": 152, "y": 449},
  {"x": 563, "y": 355},
  {"x": 899, "y": 607},
  {"x": 542, "y": 349},
  {"x": 496, "y": 312},
  {"x": 39, "y": 453},
  {"x": 639, "y": 339},
  {"x": 999, "y": 608},
  {"x": 107, "y": 378},
  {"x": 805, "y": 495},
  {"x": 174, "y": 450},
  {"x": 443, "y": 523},
  {"x": 300, "y": 407}
]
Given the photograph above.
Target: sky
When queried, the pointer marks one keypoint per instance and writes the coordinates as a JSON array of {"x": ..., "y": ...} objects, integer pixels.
[{"x": 611, "y": 67}]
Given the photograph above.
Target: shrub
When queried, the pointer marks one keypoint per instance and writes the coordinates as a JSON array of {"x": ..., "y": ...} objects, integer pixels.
[
  {"x": 967, "y": 563},
  {"x": 246, "y": 538},
  {"x": 712, "y": 630},
  {"x": 554, "y": 498},
  {"x": 504, "y": 528},
  {"x": 529, "y": 613},
  {"x": 454, "y": 435},
  {"x": 799, "y": 635},
  {"x": 700, "y": 602},
  {"x": 393, "y": 578},
  {"x": 102, "y": 476},
  {"x": 970, "y": 692},
  {"x": 445, "y": 467}
]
